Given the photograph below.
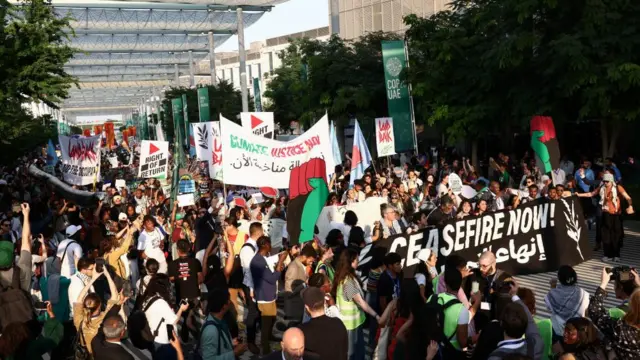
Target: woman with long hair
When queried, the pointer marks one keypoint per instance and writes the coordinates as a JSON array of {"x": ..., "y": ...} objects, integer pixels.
[
  {"x": 87, "y": 310},
  {"x": 623, "y": 335},
  {"x": 350, "y": 299},
  {"x": 581, "y": 339},
  {"x": 481, "y": 207},
  {"x": 408, "y": 304},
  {"x": 465, "y": 209}
]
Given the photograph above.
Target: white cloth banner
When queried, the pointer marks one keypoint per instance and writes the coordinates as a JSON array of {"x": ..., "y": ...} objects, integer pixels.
[
  {"x": 385, "y": 141},
  {"x": 159, "y": 132},
  {"x": 154, "y": 159},
  {"x": 206, "y": 136},
  {"x": 80, "y": 159},
  {"x": 368, "y": 213},
  {"x": 261, "y": 123},
  {"x": 255, "y": 161}
]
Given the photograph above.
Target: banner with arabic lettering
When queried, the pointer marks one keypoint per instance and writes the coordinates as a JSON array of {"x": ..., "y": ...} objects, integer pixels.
[
  {"x": 80, "y": 159},
  {"x": 253, "y": 160},
  {"x": 208, "y": 144},
  {"x": 536, "y": 237}
]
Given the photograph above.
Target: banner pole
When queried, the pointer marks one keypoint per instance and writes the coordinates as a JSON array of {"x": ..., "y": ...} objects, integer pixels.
[{"x": 412, "y": 112}]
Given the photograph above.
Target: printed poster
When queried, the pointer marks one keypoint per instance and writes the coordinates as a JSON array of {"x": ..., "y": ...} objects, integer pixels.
[
  {"x": 80, "y": 159},
  {"x": 261, "y": 123},
  {"x": 385, "y": 141},
  {"x": 208, "y": 145},
  {"x": 253, "y": 160},
  {"x": 154, "y": 159}
]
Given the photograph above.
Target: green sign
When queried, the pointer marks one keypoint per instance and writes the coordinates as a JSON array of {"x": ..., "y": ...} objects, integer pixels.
[
  {"x": 185, "y": 111},
  {"x": 398, "y": 98},
  {"x": 178, "y": 120},
  {"x": 203, "y": 104},
  {"x": 257, "y": 98}
]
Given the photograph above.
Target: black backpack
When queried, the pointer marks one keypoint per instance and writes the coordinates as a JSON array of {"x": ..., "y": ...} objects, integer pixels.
[
  {"x": 196, "y": 353},
  {"x": 15, "y": 303},
  {"x": 237, "y": 275},
  {"x": 139, "y": 331},
  {"x": 436, "y": 310}
]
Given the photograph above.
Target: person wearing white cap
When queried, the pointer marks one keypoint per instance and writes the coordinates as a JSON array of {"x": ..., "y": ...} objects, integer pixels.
[
  {"x": 69, "y": 251},
  {"x": 426, "y": 270},
  {"x": 610, "y": 227}
]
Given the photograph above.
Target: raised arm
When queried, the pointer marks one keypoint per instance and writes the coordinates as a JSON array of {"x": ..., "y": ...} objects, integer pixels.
[{"x": 26, "y": 228}]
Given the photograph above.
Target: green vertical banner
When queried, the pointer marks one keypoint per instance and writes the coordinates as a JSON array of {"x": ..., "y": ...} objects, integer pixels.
[
  {"x": 165, "y": 117},
  {"x": 145, "y": 126},
  {"x": 178, "y": 121},
  {"x": 185, "y": 111},
  {"x": 257, "y": 98},
  {"x": 203, "y": 104},
  {"x": 398, "y": 97}
]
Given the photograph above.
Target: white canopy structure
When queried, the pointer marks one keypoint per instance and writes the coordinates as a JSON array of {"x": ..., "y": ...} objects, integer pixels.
[{"x": 128, "y": 52}]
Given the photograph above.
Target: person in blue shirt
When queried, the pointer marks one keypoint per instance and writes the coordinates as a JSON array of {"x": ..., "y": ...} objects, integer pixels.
[
  {"x": 610, "y": 165},
  {"x": 585, "y": 177},
  {"x": 215, "y": 338}
]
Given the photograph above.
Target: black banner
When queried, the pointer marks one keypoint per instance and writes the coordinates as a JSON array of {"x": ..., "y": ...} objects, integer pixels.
[{"x": 539, "y": 236}]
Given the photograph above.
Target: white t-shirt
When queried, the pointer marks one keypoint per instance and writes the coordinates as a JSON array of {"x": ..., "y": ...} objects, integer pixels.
[
  {"x": 75, "y": 288},
  {"x": 74, "y": 252},
  {"x": 157, "y": 311},
  {"x": 150, "y": 244}
]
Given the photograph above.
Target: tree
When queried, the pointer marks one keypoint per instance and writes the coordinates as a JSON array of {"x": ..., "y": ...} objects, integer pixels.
[
  {"x": 224, "y": 100},
  {"x": 345, "y": 79},
  {"x": 487, "y": 65}
]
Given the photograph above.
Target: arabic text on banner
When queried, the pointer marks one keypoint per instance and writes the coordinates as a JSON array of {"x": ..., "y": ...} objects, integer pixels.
[
  {"x": 80, "y": 159},
  {"x": 536, "y": 237},
  {"x": 208, "y": 144},
  {"x": 253, "y": 160},
  {"x": 154, "y": 159},
  {"x": 385, "y": 140}
]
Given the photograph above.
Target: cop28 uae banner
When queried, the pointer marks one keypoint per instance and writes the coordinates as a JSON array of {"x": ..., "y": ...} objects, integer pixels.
[
  {"x": 536, "y": 237},
  {"x": 203, "y": 104},
  {"x": 80, "y": 159},
  {"x": 398, "y": 98},
  {"x": 253, "y": 160}
]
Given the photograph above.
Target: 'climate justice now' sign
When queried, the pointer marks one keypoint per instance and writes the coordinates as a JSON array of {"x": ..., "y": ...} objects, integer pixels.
[
  {"x": 154, "y": 159},
  {"x": 253, "y": 160}
]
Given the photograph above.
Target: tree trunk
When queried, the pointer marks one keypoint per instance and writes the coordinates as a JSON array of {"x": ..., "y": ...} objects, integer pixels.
[
  {"x": 474, "y": 154},
  {"x": 613, "y": 140},
  {"x": 609, "y": 137}
]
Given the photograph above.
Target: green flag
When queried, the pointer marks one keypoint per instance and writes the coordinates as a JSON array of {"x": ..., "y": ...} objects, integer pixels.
[
  {"x": 185, "y": 111},
  {"x": 398, "y": 98},
  {"x": 257, "y": 98},
  {"x": 203, "y": 104}
]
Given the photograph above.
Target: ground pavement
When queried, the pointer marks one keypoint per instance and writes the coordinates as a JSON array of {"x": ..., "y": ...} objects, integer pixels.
[{"x": 588, "y": 277}]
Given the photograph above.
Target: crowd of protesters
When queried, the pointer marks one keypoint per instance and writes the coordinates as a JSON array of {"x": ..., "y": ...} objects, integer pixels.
[{"x": 211, "y": 280}]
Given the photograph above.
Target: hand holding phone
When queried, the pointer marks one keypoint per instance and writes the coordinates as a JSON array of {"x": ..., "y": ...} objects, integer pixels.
[{"x": 170, "y": 333}]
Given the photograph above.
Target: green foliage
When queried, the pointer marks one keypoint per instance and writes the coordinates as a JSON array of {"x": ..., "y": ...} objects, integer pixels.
[
  {"x": 489, "y": 65},
  {"x": 345, "y": 79},
  {"x": 223, "y": 100},
  {"x": 33, "y": 51},
  {"x": 40, "y": 130}
]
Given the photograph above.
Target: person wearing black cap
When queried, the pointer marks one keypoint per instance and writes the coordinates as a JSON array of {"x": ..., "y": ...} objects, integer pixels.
[{"x": 321, "y": 329}]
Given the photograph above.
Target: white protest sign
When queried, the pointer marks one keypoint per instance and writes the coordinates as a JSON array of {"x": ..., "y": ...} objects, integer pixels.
[
  {"x": 186, "y": 200},
  {"x": 385, "y": 141},
  {"x": 120, "y": 183},
  {"x": 255, "y": 161},
  {"x": 159, "y": 132},
  {"x": 208, "y": 143},
  {"x": 368, "y": 213},
  {"x": 154, "y": 159},
  {"x": 113, "y": 161},
  {"x": 468, "y": 192},
  {"x": 455, "y": 184},
  {"x": 80, "y": 159},
  {"x": 261, "y": 123}
]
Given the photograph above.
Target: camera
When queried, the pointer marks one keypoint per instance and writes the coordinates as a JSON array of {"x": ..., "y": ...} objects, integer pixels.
[{"x": 621, "y": 273}]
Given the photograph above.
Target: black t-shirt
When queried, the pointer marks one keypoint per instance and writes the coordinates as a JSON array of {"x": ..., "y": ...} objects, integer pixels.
[
  {"x": 215, "y": 278},
  {"x": 438, "y": 217},
  {"x": 185, "y": 271},
  {"x": 386, "y": 286},
  {"x": 326, "y": 337},
  {"x": 205, "y": 227}
]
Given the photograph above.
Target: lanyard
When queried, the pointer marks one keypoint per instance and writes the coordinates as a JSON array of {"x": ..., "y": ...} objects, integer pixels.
[{"x": 396, "y": 285}]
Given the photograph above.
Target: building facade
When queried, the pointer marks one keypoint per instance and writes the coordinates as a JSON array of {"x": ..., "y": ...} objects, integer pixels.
[
  {"x": 354, "y": 18},
  {"x": 262, "y": 60}
]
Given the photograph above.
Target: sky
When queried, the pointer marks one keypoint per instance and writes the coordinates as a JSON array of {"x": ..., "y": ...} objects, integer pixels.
[{"x": 287, "y": 18}]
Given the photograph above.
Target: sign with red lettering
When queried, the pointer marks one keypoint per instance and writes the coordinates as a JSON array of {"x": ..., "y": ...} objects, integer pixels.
[
  {"x": 253, "y": 160},
  {"x": 80, "y": 159},
  {"x": 208, "y": 146},
  {"x": 154, "y": 159},
  {"x": 261, "y": 123},
  {"x": 385, "y": 140}
]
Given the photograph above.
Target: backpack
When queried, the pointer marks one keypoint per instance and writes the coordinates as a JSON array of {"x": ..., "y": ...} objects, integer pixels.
[
  {"x": 237, "y": 275},
  {"x": 436, "y": 310},
  {"x": 197, "y": 352},
  {"x": 139, "y": 331},
  {"x": 15, "y": 303}
]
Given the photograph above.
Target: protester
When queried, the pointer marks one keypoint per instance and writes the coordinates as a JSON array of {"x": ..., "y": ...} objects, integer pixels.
[
  {"x": 565, "y": 300},
  {"x": 215, "y": 339},
  {"x": 322, "y": 329},
  {"x": 108, "y": 345},
  {"x": 186, "y": 273}
]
